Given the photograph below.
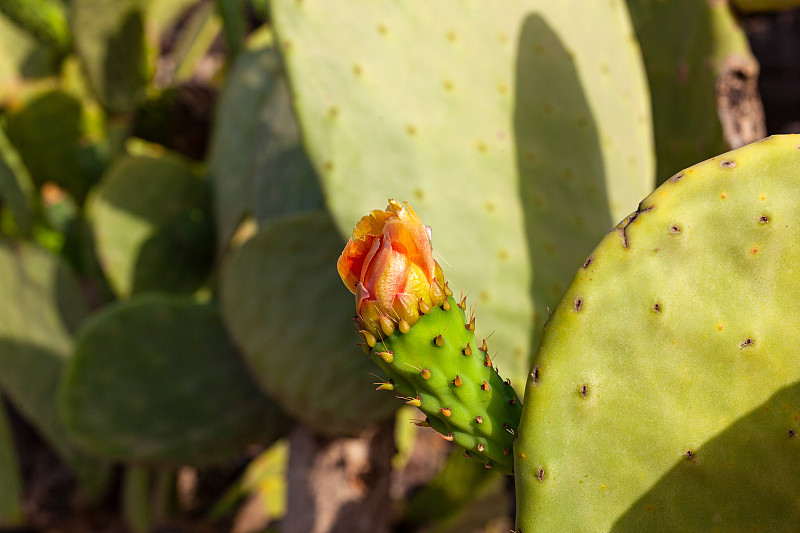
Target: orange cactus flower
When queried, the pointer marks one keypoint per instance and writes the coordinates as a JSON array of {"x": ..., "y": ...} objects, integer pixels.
[{"x": 388, "y": 264}]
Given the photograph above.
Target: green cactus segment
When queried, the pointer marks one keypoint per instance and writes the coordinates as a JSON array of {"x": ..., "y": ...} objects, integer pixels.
[
  {"x": 257, "y": 164},
  {"x": 110, "y": 41},
  {"x": 42, "y": 306},
  {"x": 422, "y": 102},
  {"x": 16, "y": 190},
  {"x": 665, "y": 388},
  {"x": 44, "y": 19},
  {"x": 439, "y": 367},
  {"x": 283, "y": 303},
  {"x": 687, "y": 46},
  {"x": 151, "y": 217},
  {"x": 11, "y": 487},
  {"x": 156, "y": 379},
  {"x": 68, "y": 151}
]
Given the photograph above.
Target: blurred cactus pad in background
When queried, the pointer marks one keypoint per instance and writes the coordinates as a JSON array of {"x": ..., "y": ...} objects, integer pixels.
[{"x": 178, "y": 179}]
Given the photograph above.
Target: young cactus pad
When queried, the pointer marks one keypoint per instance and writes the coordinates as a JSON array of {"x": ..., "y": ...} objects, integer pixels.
[
  {"x": 665, "y": 392},
  {"x": 421, "y": 338}
]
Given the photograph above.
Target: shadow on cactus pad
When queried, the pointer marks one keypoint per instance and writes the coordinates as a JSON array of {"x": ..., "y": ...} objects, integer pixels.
[{"x": 752, "y": 466}]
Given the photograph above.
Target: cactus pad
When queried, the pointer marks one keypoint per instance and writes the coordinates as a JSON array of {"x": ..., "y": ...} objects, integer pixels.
[
  {"x": 284, "y": 305},
  {"x": 429, "y": 103},
  {"x": 151, "y": 217},
  {"x": 665, "y": 390},
  {"x": 257, "y": 164},
  {"x": 762, "y": 6},
  {"x": 156, "y": 379},
  {"x": 68, "y": 151},
  {"x": 690, "y": 50}
]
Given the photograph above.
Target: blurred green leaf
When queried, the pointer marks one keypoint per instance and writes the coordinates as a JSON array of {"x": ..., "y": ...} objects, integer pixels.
[
  {"x": 46, "y": 20},
  {"x": 51, "y": 132},
  {"x": 42, "y": 307},
  {"x": 22, "y": 56},
  {"x": 234, "y": 19},
  {"x": 257, "y": 163},
  {"x": 265, "y": 479},
  {"x": 110, "y": 40},
  {"x": 152, "y": 221},
  {"x": 155, "y": 379},
  {"x": 165, "y": 13}
]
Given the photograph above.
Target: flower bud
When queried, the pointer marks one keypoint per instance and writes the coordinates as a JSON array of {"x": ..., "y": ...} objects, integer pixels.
[{"x": 388, "y": 264}]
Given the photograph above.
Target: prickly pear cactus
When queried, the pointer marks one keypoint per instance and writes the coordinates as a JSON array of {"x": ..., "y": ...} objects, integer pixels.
[
  {"x": 420, "y": 337},
  {"x": 439, "y": 367},
  {"x": 665, "y": 393},
  {"x": 500, "y": 97},
  {"x": 69, "y": 152},
  {"x": 22, "y": 56}
]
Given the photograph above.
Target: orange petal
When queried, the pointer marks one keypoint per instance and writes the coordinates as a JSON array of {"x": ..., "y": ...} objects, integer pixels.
[
  {"x": 371, "y": 224},
  {"x": 389, "y": 274},
  {"x": 351, "y": 261},
  {"x": 409, "y": 230}
]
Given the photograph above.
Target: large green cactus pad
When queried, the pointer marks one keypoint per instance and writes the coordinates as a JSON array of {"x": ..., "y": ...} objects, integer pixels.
[
  {"x": 455, "y": 106},
  {"x": 284, "y": 304},
  {"x": 664, "y": 395},
  {"x": 151, "y": 217},
  {"x": 156, "y": 379}
]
